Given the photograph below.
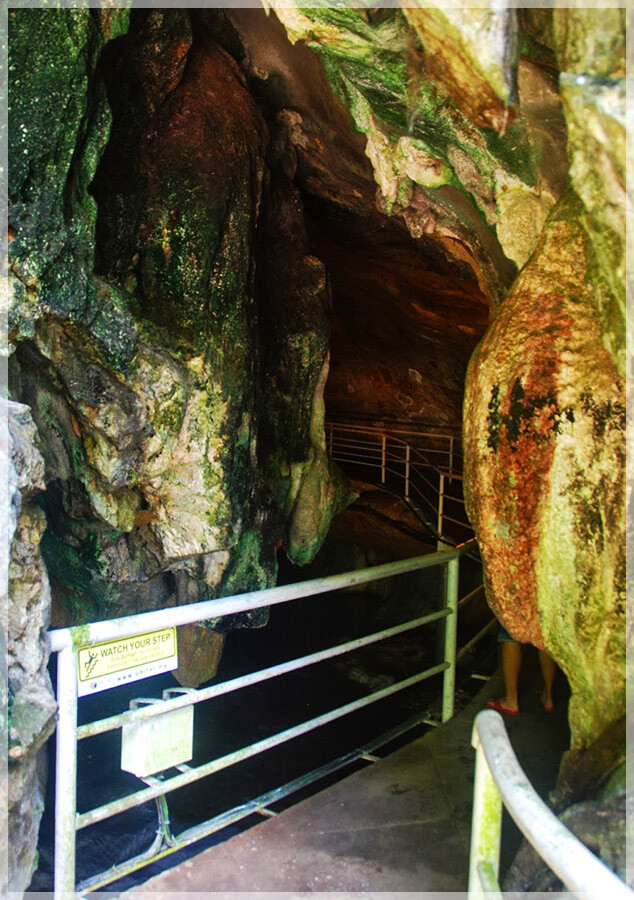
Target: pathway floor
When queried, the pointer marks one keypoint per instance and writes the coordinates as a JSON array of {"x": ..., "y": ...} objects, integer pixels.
[{"x": 402, "y": 824}]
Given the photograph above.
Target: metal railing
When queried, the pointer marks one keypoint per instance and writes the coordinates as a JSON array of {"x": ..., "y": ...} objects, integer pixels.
[
  {"x": 422, "y": 463},
  {"x": 499, "y": 778},
  {"x": 68, "y": 641}
]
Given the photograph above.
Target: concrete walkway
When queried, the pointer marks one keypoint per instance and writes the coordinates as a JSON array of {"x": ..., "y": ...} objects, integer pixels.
[{"x": 402, "y": 824}]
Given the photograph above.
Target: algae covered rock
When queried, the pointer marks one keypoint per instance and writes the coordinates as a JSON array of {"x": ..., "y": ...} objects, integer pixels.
[
  {"x": 58, "y": 125},
  {"x": 140, "y": 172},
  {"x": 449, "y": 130}
]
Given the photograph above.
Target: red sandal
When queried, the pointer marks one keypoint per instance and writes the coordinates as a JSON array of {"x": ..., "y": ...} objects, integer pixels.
[{"x": 497, "y": 705}]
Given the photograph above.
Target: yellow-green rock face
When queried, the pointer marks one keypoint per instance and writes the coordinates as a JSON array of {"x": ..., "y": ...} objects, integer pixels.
[
  {"x": 545, "y": 401},
  {"x": 544, "y": 441}
]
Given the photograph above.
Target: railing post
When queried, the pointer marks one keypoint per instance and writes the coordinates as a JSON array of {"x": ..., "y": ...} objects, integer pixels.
[
  {"x": 451, "y": 603},
  {"x": 383, "y": 457},
  {"x": 450, "y": 459},
  {"x": 407, "y": 458},
  {"x": 441, "y": 508},
  {"x": 486, "y": 829},
  {"x": 66, "y": 773}
]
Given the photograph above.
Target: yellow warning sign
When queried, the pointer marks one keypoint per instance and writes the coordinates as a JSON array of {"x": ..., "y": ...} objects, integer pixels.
[{"x": 113, "y": 663}]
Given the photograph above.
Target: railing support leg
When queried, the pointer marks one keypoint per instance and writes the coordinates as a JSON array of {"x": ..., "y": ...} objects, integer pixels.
[
  {"x": 407, "y": 458},
  {"x": 441, "y": 508},
  {"x": 383, "y": 457},
  {"x": 486, "y": 830},
  {"x": 66, "y": 774},
  {"x": 450, "y": 460},
  {"x": 451, "y": 603}
]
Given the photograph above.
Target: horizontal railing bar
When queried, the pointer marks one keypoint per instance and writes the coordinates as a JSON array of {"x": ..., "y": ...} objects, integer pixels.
[
  {"x": 377, "y": 442},
  {"x": 393, "y": 429},
  {"x": 144, "y": 859},
  {"x": 376, "y": 461},
  {"x": 476, "y": 640},
  {"x": 373, "y": 459},
  {"x": 376, "y": 449},
  {"x": 82, "y": 635},
  {"x": 470, "y": 595},
  {"x": 131, "y": 800},
  {"x": 359, "y": 459},
  {"x": 237, "y": 813},
  {"x": 455, "y": 499},
  {"x": 447, "y": 518},
  {"x": 580, "y": 870},
  {"x": 415, "y": 468},
  {"x": 162, "y": 706},
  {"x": 373, "y": 448}
]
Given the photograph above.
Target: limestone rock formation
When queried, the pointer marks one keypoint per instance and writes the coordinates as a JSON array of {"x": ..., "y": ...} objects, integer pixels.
[
  {"x": 146, "y": 372},
  {"x": 31, "y": 705},
  {"x": 545, "y": 408},
  {"x": 544, "y": 430}
]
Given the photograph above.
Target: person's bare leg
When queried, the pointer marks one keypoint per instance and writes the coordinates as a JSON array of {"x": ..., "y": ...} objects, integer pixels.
[
  {"x": 511, "y": 664},
  {"x": 549, "y": 668}
]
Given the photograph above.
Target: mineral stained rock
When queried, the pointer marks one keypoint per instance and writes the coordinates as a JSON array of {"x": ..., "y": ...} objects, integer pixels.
[
  {"x": 544, "y": 442},
  {"x": 544, "y": 417}
]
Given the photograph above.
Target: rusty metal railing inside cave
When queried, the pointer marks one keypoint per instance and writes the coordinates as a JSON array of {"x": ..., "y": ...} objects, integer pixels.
[
  {"x": 423, "y": 465},
  {"x": 69, "y": 643}
]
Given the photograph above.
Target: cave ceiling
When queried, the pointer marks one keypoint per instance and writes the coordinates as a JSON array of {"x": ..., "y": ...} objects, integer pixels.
[{"x": 407, "y": 311}]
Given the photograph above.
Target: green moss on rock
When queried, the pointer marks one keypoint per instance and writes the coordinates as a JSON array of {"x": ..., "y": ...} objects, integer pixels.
[
  {"x": 58, "y": 125},
  {"x": 81, "y": 590}
]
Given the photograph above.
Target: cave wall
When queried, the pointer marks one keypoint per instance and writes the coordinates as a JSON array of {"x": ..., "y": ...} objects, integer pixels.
[
  {"x": 544, "y": 422},
  {"x": 171, "y": 349},
  {"x": 148, "y": 342},
  {"x": 461, "y": 191},
  {"x": 27, "y": 695}
]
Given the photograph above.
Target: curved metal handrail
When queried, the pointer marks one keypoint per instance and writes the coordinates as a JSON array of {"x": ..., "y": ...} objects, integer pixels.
[{"x": 500, "y": 778}]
